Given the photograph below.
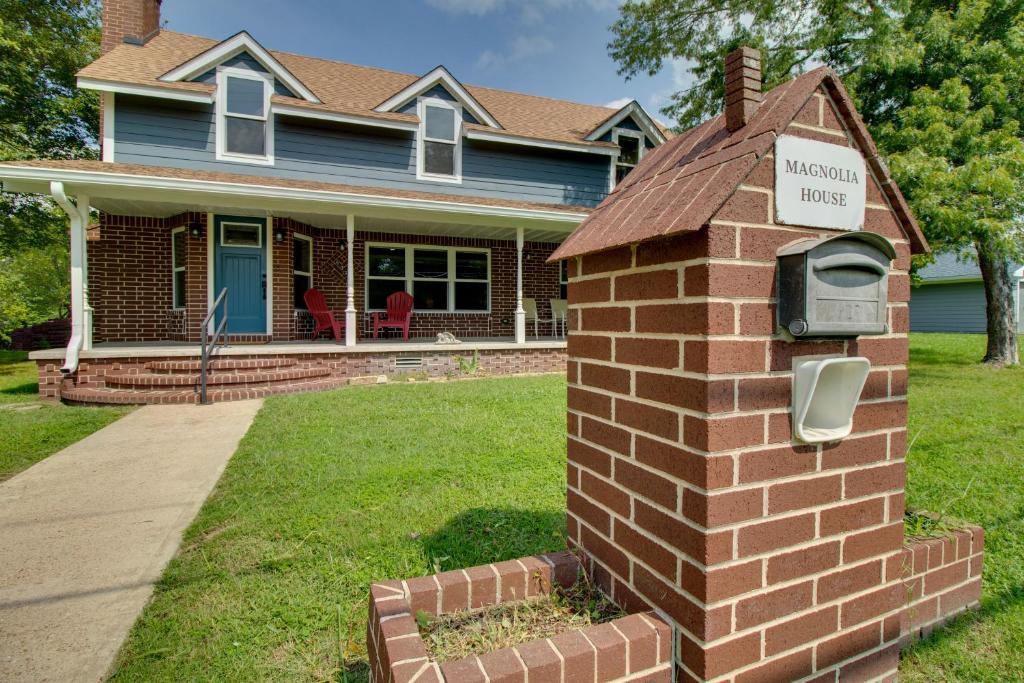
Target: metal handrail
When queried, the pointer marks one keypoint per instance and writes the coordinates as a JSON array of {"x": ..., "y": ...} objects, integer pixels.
[{"x": 209, "y": 345}]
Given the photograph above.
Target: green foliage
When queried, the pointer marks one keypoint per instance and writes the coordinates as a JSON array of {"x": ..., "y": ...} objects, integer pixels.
[
  {"x": 33, "y": 287},
  {"x": 793, "y": 36},
  {"x": 43, "y": 115},
  {"x": 954, "y": 145}
]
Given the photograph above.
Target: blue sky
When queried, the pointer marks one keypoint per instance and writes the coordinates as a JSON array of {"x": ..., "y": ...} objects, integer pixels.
[{"x": 555, "y": 48}]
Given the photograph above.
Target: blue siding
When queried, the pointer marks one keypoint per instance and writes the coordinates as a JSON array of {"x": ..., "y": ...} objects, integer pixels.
[
  {"x": 440, "y": 92},
  {"x": 246, "y": 61},
  {"x": 953, "y": 307},
  {"x": 182, "y": 135}
]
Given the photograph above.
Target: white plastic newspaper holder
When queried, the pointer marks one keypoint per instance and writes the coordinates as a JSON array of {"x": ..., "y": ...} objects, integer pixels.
[{"x": 825, "y": 394}]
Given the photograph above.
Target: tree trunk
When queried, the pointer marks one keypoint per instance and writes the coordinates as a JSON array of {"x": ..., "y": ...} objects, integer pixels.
[{"x": 998, "y": 280}]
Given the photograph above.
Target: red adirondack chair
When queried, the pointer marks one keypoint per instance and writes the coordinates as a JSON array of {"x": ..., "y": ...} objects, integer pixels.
[
  {"x": 322, "y": 316},
  {"x": 399, "y": 314}
]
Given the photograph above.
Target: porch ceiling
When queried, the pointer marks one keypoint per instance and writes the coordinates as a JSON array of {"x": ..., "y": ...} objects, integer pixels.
[
  {"x": 160, "y": 193},
  {"x": 407, "y": 225}
]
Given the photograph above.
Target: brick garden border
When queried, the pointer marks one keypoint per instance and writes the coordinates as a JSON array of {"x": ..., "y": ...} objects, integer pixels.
[
  {"x": 943, "y": 579},
  {"x": 632, "y": 648}
]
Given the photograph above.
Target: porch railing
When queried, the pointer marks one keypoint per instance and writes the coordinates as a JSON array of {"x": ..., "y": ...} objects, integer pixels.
[{"x": 210, "y": 344}]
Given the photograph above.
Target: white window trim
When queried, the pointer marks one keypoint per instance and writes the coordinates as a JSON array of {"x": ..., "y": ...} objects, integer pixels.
[
  {"x": 259, "y": 233},
  {"x": 421, "y": 137},
  {"x": 304, "y": 238},
  {"x": 223, "y": 72},
  {"x": 174, "y": 273},
  {"x": 627, "y": 133},
  {"x": 409, "y": 279}
]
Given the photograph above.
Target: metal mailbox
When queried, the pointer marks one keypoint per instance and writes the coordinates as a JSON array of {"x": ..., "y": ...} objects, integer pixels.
[{"x": 834, "y": 286}]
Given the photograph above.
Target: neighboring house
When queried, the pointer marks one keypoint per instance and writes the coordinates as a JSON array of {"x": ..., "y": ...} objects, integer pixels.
[
  {"x": 950, "y": 296},
  {"x": 229, "y": 166}
]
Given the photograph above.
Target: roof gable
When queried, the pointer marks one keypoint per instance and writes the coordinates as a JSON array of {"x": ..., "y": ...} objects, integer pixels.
[
  {"x": 631, "y": 112},
  {"x": 439, "y": 76},
  {"x": 347, "y": 92},
  {"x": 227, "y": 50},
  {"x": 681, "y": 185}
]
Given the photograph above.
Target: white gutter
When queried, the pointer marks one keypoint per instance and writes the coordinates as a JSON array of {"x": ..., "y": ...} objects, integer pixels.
[{"x": 79, "y": 215}]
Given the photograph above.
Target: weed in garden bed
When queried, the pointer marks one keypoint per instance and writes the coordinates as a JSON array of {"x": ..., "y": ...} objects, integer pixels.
[{"x": 475, "y": 632}]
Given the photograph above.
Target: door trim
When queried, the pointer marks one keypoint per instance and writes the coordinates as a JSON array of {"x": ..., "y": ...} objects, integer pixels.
[{"x": 268, "y": 255}]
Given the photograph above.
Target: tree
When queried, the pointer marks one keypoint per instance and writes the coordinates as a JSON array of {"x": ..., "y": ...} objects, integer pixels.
[
  {"x": 938, "y": 84},
  {"x": 43, "y": 115}
]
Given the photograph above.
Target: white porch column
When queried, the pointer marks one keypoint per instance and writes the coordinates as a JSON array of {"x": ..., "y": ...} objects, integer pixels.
[
  {"x": 520, "y": 313},
  {"x": 87, "y": 310},
  {"x": 81, "y": 324},
  {"x": 350, "y": 284}
]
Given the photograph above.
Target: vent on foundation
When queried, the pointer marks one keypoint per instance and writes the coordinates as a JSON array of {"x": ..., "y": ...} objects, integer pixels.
[{"x": 409, "y": 362}]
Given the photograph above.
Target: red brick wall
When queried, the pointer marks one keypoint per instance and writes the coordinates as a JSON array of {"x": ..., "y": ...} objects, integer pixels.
[
  {"x": 685, "y": 487},
  {"x": 130, "y": 280},
  {"x": 942, "y": 577}
]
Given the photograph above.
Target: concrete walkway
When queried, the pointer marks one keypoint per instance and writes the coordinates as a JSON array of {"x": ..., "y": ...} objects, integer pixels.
[{"x": 85, "y": 533}]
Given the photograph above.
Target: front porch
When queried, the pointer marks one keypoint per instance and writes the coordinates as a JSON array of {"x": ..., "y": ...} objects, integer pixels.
[{"x": 145, "y": 278}]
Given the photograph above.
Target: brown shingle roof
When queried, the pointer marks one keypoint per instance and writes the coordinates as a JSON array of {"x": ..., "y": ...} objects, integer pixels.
[
  {"x": 93, "y": 166},
  {"x": 350, "y": 89},
  {"x": 682, "y": 184}
]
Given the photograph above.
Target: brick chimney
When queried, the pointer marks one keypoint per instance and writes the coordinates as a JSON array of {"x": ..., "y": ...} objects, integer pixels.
[
  {"x": 742, "y": 86},
  {"x": 129, "y": 21}
]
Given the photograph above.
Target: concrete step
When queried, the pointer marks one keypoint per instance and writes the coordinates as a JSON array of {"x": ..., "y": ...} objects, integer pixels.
[
  {"x": 258, "y": 377},
  {"x": 220, "y": 364},
  {"x": 122, "y": 396}
]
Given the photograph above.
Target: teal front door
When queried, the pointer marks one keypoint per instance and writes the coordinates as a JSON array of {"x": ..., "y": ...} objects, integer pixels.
[{"x": 240, "y": 265}]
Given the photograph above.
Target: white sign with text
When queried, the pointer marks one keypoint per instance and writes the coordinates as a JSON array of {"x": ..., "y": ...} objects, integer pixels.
[{"x": 819, "y": 185}]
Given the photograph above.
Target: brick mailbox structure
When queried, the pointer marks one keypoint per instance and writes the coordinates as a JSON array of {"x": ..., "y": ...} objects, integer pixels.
[{"x": 687, "y": 494}]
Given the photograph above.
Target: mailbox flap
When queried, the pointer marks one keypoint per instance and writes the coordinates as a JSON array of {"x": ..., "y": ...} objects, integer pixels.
[{"x": 805, "y": 245}]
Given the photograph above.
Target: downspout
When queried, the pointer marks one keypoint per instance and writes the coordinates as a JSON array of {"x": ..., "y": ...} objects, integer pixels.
[{"x": 78, "y": 216}]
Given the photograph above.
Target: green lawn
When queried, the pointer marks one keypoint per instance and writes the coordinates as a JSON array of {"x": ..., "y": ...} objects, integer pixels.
[
  {"x": 967, "y": 460},
  {"x": 31, "y": 429},
  {"x": 329, "y": 492}
]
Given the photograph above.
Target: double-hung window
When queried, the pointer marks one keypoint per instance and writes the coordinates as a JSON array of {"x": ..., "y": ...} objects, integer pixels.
[
  {"x": 245, "y": 131},
  {"x": 440, "y": 279},
  {"x": 302, "y": 268},
  {"x": 563, "y": 279},
  {"x": 179, "y": 245},
  {"x": 631, "y": 150},
  {"x": 439, "y": 152}
]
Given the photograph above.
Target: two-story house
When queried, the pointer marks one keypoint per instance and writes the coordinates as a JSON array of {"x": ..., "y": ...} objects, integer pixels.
[{"x": 228, "y": 167}]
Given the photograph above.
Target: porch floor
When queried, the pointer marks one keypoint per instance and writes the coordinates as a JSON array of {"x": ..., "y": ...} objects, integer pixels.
[{"x": 320, "y": 346}]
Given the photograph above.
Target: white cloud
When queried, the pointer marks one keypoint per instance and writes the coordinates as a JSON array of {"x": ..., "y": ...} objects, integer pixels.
[
  {"x": 477, "y": 7},
  {"x": 619, "y": 103},
  {"x": 521, "y": 48},
  {"x": 530, "y": 11}
]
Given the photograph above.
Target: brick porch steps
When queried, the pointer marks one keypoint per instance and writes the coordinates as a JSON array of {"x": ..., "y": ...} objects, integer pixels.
[
  {"x": 123, "y": 396},
  {"x": 221, "y": 378},
  {"x": 159, "y": 366}
]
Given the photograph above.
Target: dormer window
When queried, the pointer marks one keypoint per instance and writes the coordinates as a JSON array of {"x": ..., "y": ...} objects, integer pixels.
[
  {"x": 244, "y": 130},
  {"x": 439, "y": 154},
  {"x": 631, "y": 150}
]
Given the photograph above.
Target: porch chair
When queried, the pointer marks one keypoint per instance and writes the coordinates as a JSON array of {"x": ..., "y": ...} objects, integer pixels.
[
  {"x": 324, "y": 319},
  {"x": 560, "y": 312},
  {"x": 399, "y": 314},
  {"x": 530, "y": 306}
]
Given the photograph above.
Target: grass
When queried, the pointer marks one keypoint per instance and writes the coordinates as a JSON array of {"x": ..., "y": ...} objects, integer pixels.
[
  {"x": 967, "y": 461},
  {"x": 329, "y": 492},
  {"x": 461, "y": 634},
  {"x": 31, "y": 429}
]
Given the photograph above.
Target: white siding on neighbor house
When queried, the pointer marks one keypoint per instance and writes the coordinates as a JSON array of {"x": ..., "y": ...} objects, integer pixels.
[{"x": 948, "y": 307}]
